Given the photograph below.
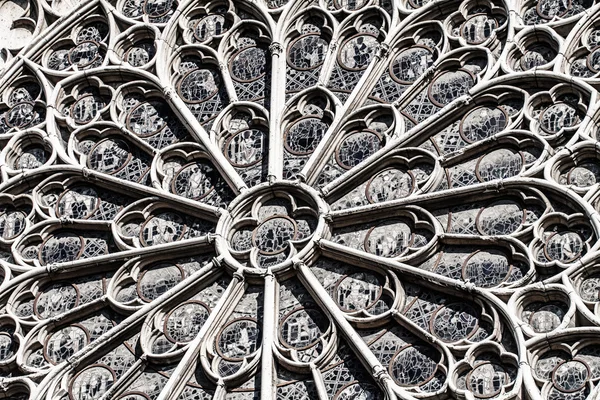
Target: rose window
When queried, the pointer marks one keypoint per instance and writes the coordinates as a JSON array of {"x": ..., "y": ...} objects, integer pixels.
[{"x": 297, "y": 200}]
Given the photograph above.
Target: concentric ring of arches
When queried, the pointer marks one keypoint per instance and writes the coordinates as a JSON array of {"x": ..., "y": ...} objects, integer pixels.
[{"x": 302, "y": 199}]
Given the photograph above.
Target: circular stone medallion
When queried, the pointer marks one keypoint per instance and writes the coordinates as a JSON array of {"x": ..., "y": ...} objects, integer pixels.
[{"x": 268, "y": 225}]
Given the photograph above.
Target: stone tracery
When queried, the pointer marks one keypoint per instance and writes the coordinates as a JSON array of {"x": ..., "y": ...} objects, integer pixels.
[{"x": 299, "y": 199}]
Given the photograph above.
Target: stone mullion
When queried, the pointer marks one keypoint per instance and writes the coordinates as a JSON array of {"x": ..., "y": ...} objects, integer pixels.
[
  {"x": 277, "y": 104},
  {"x": 492, "y": 188},
  {"x": 194, "y": 127},
  {"x": 191, "y": 359},
  {"x": 227, "y": 81},
  {"x": 55, "y": 270},
  {"x": 337, "y": 251},
  {"x": 426, "y": 128},
  {"x": 119, "y": 334},
  {"x": 268, "y": 377},
  {"x": 126, "y": 379},
  {"x": 433, "y": 122},
  {"x": 116, "y": 183},
  {"x": 357, "y": 97},
  {"x": 322, "y": 149},
  {"x": 319, "y": 158},
  {"x": 344, "y": 253},
  {"x": 199, "y": 133},
  {"x": 319, "y": 382},
  {"x": 354, "y": 340}
]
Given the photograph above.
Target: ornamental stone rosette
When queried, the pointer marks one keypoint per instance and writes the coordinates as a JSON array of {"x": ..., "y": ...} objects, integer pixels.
[{"x": 299, "y": 199}]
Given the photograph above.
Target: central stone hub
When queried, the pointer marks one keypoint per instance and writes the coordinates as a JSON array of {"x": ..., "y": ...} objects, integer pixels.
[{"x": 270, "y": 225}]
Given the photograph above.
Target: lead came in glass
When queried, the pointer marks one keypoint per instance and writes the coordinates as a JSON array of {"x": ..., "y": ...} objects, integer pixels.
[
  {"x": 358, "y": 291},
  {"x": 198, "y": 86},
  {"x": 6, "y": 347},
  {"x": 92, "y": 383},
  {"x": 86, "y": 108},
  {"x": 84, "y": 54},
  {"x": 357, "y": 147},
  {"x": 109, "y": 156},
  {"x": 303, "y": 328},
  {"x": 184, "y": 323},
  {"x": 79, "y": 203},
  {"x": 357, "y": 52},
  {"x": 411, "y": 64},
  {"x": 307, "y": 52},
  {"x": 12, "y": 223},
  {"x": 449, "y": 86},
  {"x": 249, "y": 64},
  {"x": 64, "y": 343},
  {"x": 245, "y": 148},
  {"x": 273, "y": 234},
  {"x": 390, "y": 185},
  {"x": 209, "y": 27},
  {"x": 304, "y": 136},
  {"x": 194, "y": 181},
  {"x": 147, "y": 118},
  {"x": 478, "y": 28},
  {"x": 239, "y": 339}
]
